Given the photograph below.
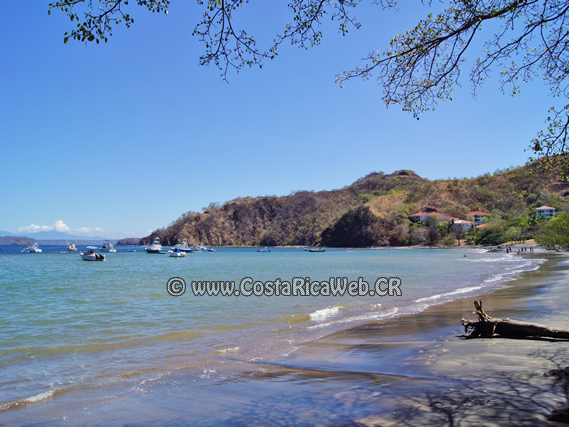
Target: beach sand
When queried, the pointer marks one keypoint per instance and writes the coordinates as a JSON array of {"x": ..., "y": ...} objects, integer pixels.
[{"x": 416, "y": 370}]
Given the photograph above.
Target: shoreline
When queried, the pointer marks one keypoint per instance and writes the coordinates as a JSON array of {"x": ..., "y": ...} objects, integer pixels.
[{"x": 407, "y": 371}]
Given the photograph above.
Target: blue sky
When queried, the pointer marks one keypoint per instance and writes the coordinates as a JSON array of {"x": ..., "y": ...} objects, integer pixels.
[{"x": 122, "y": 138}]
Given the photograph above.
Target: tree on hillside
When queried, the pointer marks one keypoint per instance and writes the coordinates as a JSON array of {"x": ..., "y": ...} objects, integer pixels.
[
  {"x": 458, "y": 231},
  {"x": 555, "y": 232},
  {"x": 417, "y": 69}
]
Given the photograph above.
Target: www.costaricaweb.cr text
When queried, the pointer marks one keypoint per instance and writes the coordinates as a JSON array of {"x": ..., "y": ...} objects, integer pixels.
[{"x": 299, "y": 286}]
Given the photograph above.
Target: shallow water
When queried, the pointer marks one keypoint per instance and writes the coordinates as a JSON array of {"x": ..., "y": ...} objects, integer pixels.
[{"x": 70, "y": 325}]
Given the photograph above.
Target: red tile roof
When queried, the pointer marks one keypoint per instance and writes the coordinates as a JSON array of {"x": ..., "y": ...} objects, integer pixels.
[
  {"x": 545, "y": 207},
  {"x": 477, "y": 213}
]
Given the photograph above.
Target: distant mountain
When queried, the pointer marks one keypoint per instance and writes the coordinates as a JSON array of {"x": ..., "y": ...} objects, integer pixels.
[{"x": 11, "y": 240}]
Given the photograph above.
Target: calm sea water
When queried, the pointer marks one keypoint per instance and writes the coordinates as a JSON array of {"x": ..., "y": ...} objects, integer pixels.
[{"x": 67, "y": 324}]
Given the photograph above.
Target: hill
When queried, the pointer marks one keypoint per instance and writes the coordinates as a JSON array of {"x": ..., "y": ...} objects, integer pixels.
[{"x": 373, "y": 211}]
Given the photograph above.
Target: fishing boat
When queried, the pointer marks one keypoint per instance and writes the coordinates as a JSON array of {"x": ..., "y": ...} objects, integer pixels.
[
  {"x": 263, "y": 250},
  {"x": 90, "y": 255},
  {"x": 177, "y": 253},
  {"x": 71, "y": 247},
  {"x": 107, "y": 247},
  {"x": 34, "y": 248},
  {"x": 184, "y": 246},
  {"x": 155, "y": 247}
]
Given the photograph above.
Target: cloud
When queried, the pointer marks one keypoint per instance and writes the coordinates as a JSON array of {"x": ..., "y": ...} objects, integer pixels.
[
  {"x": 60, "y": 226},
  {"x": 34, "y": 228}
]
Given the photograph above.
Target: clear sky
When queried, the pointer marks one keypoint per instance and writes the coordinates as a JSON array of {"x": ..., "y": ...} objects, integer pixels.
[{"x": 122, "y": 138}]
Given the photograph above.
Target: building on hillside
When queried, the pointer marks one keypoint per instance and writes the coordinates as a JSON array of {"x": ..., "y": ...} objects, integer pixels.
[
  {"x": 424, "y": 216},
  {"x": 476, "y": 216},
  {"x": 545, "y": 211},
  {"x": 466, "y": 225},
  {"x": 480, "y": 226}
]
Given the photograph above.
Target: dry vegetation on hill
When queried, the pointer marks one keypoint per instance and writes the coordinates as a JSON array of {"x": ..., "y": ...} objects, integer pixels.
[{"x": 373, "y": 211}]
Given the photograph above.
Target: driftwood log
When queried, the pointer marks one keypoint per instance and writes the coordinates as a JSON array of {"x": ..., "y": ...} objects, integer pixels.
[{"x": 487, "y": 327}]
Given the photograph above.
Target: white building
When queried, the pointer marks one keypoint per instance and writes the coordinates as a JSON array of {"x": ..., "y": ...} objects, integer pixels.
[
  {"x": 545, "y": 211},
  {"x": 424, "y": 216},
  {"x": 477, "y": 216},
  {"x": 466, "y": 225}
]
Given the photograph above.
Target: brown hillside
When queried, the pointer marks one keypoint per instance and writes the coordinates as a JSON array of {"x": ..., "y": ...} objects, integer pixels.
[{"x": 372, "y": 211}]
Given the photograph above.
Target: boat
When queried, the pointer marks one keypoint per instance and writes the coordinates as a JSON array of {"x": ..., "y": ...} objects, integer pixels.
[
  {"x": 184, "y": 246},
  {"x": 177, "y": 253},
  {"x": 107, "y": 247},
  {"x": 155, "y": 247},
  {"x": 263, "y": 250},
  {"x": 210, "y": 250},
  {"x": 71, "y": 247},
  {"x": 34, "y": 248},
  {"x": 200, "y": 248},
  {"x": 90, "y": 255},
  {"x": 316, "y": 250}
]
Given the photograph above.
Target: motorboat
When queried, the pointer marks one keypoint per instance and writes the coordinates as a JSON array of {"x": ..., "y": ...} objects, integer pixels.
[
  {"x": 90, "y": 255},
  {"x": 210, "y": 250},
  {"x": 263, "y": 250},
  {"x": 177, "y": 253},
  {"x": 200, "y": 248},
  {"x": 34, "y": 248},
  {"x": 71, "y": 247},
  {"x": 155, "y": 247},
  {"x": 316, "y": 250},
  {"x": 184, "y": 246},
  {"x": 107, "y": 247}
]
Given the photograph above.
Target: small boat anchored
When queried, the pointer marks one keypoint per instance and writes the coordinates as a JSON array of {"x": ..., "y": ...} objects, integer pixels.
[
  {"x": 184, "y": 246},
  {"x": 177, "y": 253},
  {"x": 71, "y": 247},
  {"x": 155, "y": 247},
  {"x": 263, "y": 250},
  {"x": 107, "y": 247},
  {"x": 316, "y": 250},
  {"x": 34, "y": 248},
  {"x": 90, "y": 255}
]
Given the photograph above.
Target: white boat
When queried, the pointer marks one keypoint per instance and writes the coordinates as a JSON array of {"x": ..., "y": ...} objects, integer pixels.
[
  {"x": 107, "y": 247},
  {"x": 184, "y": 246},
  {"x": 32, "y": 249},
  {"x": 263, "y": 250},
  {"x": 200, "y": 248},
  {"x": 71, "y": 247},
  {"x": 177, "y": 253},
  {"x": 90, "y": 255},
  {"x": 155, "y": 247}
]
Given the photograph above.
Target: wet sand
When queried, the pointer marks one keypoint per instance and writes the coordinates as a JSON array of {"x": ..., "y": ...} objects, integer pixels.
[{"x": 417, "y": 370}]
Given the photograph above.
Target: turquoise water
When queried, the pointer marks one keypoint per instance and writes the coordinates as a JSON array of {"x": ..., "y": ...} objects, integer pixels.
[{"x": 67, "y": 324}]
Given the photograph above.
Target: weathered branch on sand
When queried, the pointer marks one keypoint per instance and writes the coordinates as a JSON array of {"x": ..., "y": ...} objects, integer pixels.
[{"x": 487, "y": 326}]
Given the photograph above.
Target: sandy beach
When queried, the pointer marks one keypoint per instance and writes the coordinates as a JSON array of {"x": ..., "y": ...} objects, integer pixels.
[{"x": 416, "y": 370}]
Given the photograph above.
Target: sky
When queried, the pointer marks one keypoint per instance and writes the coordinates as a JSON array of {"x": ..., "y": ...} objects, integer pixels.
[{"x": 119, "y": 139}]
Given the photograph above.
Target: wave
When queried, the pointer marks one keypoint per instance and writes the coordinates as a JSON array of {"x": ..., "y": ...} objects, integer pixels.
[
  {"x": 363, "y": 317},
  {"x": 28, "y": 400},
  {"x": 325, "y": 313},
  {"x": 455, "y": 292}
]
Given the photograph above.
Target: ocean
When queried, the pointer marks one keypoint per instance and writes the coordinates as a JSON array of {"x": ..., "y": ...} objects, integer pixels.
[{"x": 70, "y": 327}]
